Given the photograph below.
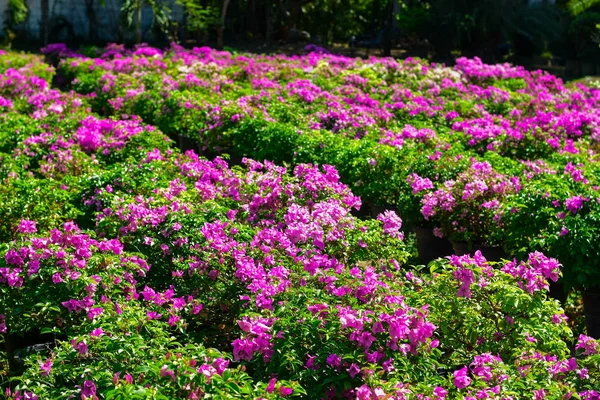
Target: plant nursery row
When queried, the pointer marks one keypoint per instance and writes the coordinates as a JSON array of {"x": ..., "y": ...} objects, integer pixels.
[{"x": 189, "y": 224}]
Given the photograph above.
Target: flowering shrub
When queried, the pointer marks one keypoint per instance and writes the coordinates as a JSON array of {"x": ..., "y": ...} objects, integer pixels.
[
  {"x": 470, "y": 207},
  {"x": 163, "y": 274}
]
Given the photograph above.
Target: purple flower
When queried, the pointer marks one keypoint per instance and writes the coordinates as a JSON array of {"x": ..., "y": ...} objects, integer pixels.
[
  {"x": 353, "y": 370},
  {"x": 418, "y": 183},
  {"x": 173, "y": 319},
  {"x": 166, "y": 372},
  {"x": 56, "y": 278},
  {"x": 530, "y": 338},
  {"x": 364, "y": 393},
  {"x": 81, "y": 347},
  {"x": 88, "y": 390},
  {"x": 461, "y": 380},
  {"x": 45, "y": 367},
  {"x": 97, "y": 332},
  {"x": 271, "y": 385},
  {"x": 587, "y": 344},
  {"x": 440, "y": 393},
  {"x": 27, "y": 226},
  {"x": 334, "y": 361},
  {"x": 388, "y": 365},
  {"x": 153, "y": 315},
  {"x": 574, "y": 203},
  {"x": 391, "y": 224},
  {"x": 310, "y": 364},
  {"x": 13, "y": 258}
]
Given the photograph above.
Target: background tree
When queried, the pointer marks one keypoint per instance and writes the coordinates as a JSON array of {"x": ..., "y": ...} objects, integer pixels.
[
  {"x": 197, "y": 16},
  {"x": 16, "y": 13},
  {"x": 131, "y": 13},
  {"x": 578, "y": 6},
  {"x": 479, "y": 27},
  {"x": 45, "y": 22},
  {"x": 90, "y": 13}
]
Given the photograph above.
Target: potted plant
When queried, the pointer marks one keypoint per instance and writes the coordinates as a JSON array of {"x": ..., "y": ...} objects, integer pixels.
[
  {"x": 427, "y": 166},
  {"x": 469, "y": 208}
]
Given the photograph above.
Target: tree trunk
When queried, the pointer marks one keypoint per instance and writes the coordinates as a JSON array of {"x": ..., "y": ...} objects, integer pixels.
[
  {"x": 91, "y": 15},
  {"x": 138, "y": 28},
  {"x": 221, "y": 26},
  {"x": 389, "y": 27},
  {"x": 251, "y": 17},
  {"x": 295, "y": 11},
  {"x": 44, "y": 26},
  {"x": 268, "y": 22}
]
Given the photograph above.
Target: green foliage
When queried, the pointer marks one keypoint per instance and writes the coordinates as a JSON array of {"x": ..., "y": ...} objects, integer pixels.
[
  {"x": 583, "y": 33},
  {"x": 198, "y": 16},
  {"x": 17, "y": 13},
  {"x": 577, "y": 7}
]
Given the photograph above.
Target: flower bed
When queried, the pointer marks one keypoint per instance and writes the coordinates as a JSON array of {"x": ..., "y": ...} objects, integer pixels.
[
  {"x": 387, "y": 126},
  {"x": 163, "y": 274}
]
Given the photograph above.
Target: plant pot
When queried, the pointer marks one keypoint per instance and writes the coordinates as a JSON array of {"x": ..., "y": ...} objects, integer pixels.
[
  {"x": 431, "y": 247},
  {"x": 557, "y": 291},
  {"x": 491, "y": 253},
  {"x": 363, "y": 212},
  {"x": 460, "y": 248},
  {"x": 375, "y": 210},
  {"x": 234, "y": 160},
  {"x": 186, "y": 143},
  {"x": 591, "y": 307},
  {"x": 31, "y": 342}
]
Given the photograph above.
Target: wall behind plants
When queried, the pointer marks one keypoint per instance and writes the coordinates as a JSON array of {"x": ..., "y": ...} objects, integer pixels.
[{"x": 69, "y": 21}]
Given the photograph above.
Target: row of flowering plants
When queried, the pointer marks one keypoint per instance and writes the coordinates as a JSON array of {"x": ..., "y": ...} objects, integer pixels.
[
  {"x": 153, "y": 273},
  {"x": 404, "y": 134}
]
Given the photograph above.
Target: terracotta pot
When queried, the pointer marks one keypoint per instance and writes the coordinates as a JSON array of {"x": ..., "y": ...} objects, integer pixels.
[
  {"x": 591, "y": 307},
  {"x": 431, "y": 247}
]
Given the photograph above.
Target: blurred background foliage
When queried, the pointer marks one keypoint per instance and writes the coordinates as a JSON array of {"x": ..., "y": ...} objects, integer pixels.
[{"x": 441, "y": 30}]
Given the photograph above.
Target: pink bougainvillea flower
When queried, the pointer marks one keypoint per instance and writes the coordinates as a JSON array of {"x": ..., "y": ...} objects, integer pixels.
[{"x": 461, "y": 378}]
